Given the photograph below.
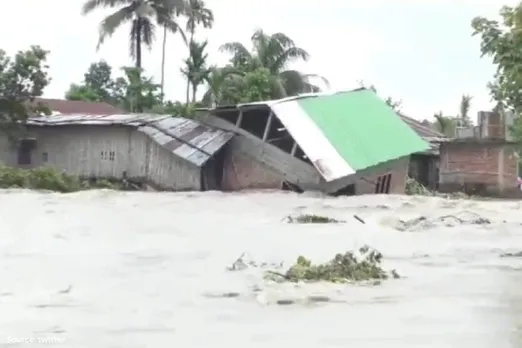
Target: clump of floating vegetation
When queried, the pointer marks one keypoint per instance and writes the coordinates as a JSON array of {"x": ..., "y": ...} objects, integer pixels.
[
  {"x": 342, "y": 268},
  {"x": 312, "y": 219}
]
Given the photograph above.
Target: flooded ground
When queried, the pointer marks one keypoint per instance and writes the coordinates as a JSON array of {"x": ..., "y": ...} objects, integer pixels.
[{"x": 113, "y": 269}]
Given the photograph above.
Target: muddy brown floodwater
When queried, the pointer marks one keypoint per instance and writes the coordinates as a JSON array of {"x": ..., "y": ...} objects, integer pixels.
[{"x": 113, "y": 269}]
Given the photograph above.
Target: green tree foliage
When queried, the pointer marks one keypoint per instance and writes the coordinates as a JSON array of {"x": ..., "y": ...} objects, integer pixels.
[
  {"x": 274, "y": 53},
  {"x": 22, "y": 78},
  {"x": 195, "y": 68},
  {"x": 125, "y": 92},
  {"x": 97, "y": 86},
  {"x": 502, "y": 41},
  {"x": 257, "y": 85}
]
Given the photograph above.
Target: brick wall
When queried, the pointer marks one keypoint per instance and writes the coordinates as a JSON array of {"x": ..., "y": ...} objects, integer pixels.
[
  {"x": 398, "y": 170},
  {"x": 242, "y": 172},
  {"x": 490, "y": 166}
]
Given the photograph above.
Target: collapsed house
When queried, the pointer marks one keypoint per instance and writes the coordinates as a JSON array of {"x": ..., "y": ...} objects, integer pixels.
[{"x": 340, "y": 143}]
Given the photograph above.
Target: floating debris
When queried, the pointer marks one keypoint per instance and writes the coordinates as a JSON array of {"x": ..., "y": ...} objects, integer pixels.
[
  {"x": 424, "y": 223},
  {"x": 312, "y": 219},
  {"x": 342, "y": 268},
  {"x": 517, "y": 254},
  {"x": 243, "y": 262}
]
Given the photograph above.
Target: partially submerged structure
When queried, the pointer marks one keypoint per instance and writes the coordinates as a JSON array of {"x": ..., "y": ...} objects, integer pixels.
[
  {"x": 424, "y": 166},
  {"x": 482, "y": 159},
  {"x": 340, "y": 143},
  {"x": 161, "y": 151}
]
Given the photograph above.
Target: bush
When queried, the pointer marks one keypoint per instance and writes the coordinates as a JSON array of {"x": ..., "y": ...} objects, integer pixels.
[
  {"x": 414, "y": 188},
  {"x": 341, "y": 269},
  {"x": 42, "y": 178}
]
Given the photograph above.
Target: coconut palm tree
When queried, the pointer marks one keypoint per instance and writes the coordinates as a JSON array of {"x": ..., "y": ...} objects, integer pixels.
[
  {"x": 273, "y": 52},
  {"x": 143, "y": 15},
  {"x": 195, "y": 68},
  {"x": 198, "y": 14},
  {"x": 217, "y": 80}
]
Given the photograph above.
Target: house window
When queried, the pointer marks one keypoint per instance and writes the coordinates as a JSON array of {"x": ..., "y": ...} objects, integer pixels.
[
  {"x": 111, "y": 156},
  {"x": 45, "y": 157},
  {"x": 25, "y": 149},
  {"x": 383, "y": 184}
]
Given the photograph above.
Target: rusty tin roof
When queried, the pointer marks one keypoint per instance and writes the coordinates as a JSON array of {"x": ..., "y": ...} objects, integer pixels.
[{"x": 185, "y": 138}]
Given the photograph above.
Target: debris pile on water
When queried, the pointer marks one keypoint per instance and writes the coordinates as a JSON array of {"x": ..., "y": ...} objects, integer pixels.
[
  {"x": 312, "y": 219},
  {"x": 423, "y": 223},
  {"x": 342, "y": 268},
  {"x": 515, "y": 254}
]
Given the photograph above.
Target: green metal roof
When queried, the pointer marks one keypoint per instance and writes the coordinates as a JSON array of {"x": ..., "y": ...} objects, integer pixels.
[{"x": 363, "y": 129}]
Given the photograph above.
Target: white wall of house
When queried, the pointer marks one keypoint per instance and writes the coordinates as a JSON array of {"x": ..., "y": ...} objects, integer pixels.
[{"x": 105, "y": 152}]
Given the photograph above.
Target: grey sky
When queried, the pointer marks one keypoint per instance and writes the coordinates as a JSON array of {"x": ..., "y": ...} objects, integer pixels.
[{"x": 419, "y": 51}]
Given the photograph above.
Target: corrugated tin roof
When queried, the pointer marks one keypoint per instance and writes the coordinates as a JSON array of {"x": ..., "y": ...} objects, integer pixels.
[
  {"x": 88, "y": 119},
  {"x": 185, "y": 138}
]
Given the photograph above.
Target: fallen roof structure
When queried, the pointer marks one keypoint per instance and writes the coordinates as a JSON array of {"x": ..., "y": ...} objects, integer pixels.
[{"x": 339, "y": 134}]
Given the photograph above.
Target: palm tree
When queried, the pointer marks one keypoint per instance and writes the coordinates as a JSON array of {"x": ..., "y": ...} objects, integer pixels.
[
  {"x": 195, "y": 69},
  {"x": 273, "y": 52},
  {"x": 198, "y": 14},
  {"x": 217, "y": 80},
  {"x": 141, "y": 14}
]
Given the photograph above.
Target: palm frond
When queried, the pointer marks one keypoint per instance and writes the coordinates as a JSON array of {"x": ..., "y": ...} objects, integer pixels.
[
  {"x": 287, "y": 56},
  {"x": 173, "y": 27},
  {"x": 109, "y": 25},
  {"x": 91, "y": 5},
  {"x": 240, "y": 54},
  {"x": 145, "y": 28}
]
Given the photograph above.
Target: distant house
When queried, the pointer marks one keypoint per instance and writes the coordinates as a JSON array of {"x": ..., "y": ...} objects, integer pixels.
[
  {"x": 482, "y": 159},
  {"x": 67, "y": 107},
  {"x": 162, "y": 151},
  {"x": 340, "y": 143},
  {"x": 424, "y": 166}
]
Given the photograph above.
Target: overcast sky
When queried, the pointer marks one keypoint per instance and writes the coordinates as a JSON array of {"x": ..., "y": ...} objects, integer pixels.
[{"x": 419, "y": 51}]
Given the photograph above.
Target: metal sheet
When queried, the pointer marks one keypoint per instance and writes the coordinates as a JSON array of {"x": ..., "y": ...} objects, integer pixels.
[
  {"x": 312, "y": 141},
  {"x": 185, "y": 138}
]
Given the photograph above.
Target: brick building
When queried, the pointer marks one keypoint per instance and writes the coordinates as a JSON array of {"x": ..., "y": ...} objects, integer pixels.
[{"x": 482, "y": 159}]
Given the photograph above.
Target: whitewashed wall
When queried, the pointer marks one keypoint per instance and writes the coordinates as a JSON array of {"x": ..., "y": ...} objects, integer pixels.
[{"x": 106, "y": 152}]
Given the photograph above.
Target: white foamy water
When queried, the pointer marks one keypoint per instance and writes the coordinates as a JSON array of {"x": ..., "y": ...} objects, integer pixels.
[{"x": 115, "y": 269}]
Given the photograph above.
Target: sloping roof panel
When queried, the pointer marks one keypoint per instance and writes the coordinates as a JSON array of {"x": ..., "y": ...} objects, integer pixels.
[
  {"x": 362, "y": 128},
  {"x": 183, "y": 137},
  {"x": 346, "y": 132},
  {"x": 187, "y": 139}
]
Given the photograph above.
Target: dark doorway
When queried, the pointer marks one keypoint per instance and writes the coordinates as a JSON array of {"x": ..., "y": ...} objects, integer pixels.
[
  {"x": 348, "y": 190},
  {"x": 25, "y": 150},
  {"x": 212, "y": 172}
]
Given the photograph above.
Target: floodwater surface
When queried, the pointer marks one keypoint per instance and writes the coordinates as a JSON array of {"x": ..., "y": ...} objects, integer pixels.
[{"x": 115, "y": 269}]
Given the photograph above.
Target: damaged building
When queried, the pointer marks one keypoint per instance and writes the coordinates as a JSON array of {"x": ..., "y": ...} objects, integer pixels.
[{"x": 341, "y": 143}]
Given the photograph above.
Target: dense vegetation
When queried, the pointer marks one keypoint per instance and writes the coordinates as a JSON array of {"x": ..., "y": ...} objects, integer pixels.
[
  {"x": 259, "y": 71},
  {"x": 44, "y": 178}
]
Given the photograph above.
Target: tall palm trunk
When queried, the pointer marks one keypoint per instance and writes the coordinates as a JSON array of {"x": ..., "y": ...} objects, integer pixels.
[
  {"x": 194, "y": 91},
  {"x": 164, "y": 47},
  {"x": 189, "y": 77},
  {"x": 138, "y": 64}
]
